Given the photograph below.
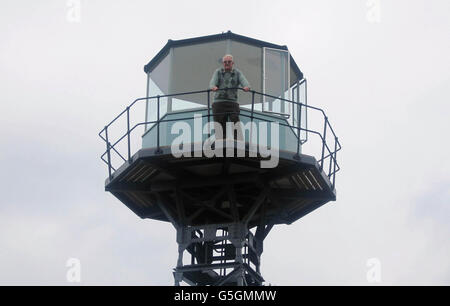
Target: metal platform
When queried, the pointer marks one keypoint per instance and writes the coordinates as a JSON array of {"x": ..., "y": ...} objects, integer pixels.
[{"x": 199, "y": 191}]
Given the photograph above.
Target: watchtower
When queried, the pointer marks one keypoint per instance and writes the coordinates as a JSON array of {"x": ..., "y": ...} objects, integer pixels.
[{"x": 222, "y": 206}]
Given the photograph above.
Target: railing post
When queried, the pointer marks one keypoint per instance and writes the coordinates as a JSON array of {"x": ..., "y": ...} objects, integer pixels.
[
  {"x": 157, "y": 128},
  {"x": 329, "y": 166},
  {"x": 128, "y": 134},
  {"x": 324, "y": 141},
  {"x": 306, "y": 109},
  {"x": 299, "y": 119},
  {"x": 209, "y": 112},
  {"x": 253, "y": 104},
  {"x": 331, "y": 160},
  {"x": 252, "y": 146},
  {"x": 299, "y": 126},
  {"x": 335, "y": 159},
  {"x": 108, "y": 153}
]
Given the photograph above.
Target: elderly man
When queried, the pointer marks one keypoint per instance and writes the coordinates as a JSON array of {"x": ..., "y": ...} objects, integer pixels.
[{"x": 225, "y": 100}]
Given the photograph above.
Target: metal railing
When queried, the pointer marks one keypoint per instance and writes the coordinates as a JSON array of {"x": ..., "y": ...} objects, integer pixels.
[{"x": 327, "y": 155}]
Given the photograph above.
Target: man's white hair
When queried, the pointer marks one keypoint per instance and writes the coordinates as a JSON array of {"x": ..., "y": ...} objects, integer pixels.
[{"x": 227, "y": 55}]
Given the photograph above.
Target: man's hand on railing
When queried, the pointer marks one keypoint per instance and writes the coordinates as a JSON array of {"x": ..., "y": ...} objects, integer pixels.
[{"x": 246, "y": 89}]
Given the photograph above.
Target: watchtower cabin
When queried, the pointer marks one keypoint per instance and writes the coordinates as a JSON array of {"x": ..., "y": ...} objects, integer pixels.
[{"x": 222, "y": 205}]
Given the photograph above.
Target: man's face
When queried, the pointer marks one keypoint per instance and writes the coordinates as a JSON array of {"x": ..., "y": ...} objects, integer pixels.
[{"x": 228, "y": 63}]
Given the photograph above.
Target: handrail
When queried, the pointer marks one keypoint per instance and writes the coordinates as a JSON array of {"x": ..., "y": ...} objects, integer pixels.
[
  {"x": 209, "y": 90},
  {"x": 332, "y": 155}
]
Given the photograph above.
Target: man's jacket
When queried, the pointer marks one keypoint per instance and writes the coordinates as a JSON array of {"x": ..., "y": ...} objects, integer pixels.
[{"x": 223, "y": 79}]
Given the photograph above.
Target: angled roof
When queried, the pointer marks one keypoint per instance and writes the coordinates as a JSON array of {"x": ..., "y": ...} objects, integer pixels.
[{"x": 217, "y": 37}]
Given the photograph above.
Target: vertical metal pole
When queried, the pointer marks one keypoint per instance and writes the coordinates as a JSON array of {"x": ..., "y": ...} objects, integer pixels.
[
  {"x": 306, "y": 109},
  {"x": 264, "y": 80},
  {"x": 329, "y": 168},
  {"x": 157, "y": 127},
  {"x": 331, "y": 160},
  {"x": 299, "y": 116},
  {"x": 293, "y": 106},
  {"x": 206, "y": 253},
  {"x": 108, "y": 153},
  {"x": 289, "y": 73},
  {"x": 209, "y": 113},
  {"x": 335, "y": 160},
  {"x": 146, "y": 101},
  {"x": 324, "y": 141},
  {"x": 253, "y": 104},
  {"x": 222, "y": 253},
  {"x": 239, "y": 259},
  {"x": 128, "y": 134}
]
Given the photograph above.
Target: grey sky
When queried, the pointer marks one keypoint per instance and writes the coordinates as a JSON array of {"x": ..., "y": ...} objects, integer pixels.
[{"x": 385, "y": 86}]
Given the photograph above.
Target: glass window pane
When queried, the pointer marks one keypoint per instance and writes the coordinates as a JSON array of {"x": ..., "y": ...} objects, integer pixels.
[
  {"x": 193, "y": 67},
  {"x": 158, "y": 84},
  {"x": 276, "y": 79},
  {"x": 248, "y": 59}
]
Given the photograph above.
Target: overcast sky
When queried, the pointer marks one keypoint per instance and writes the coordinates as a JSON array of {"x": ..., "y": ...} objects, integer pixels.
[{"x": 382, "y": 77}]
